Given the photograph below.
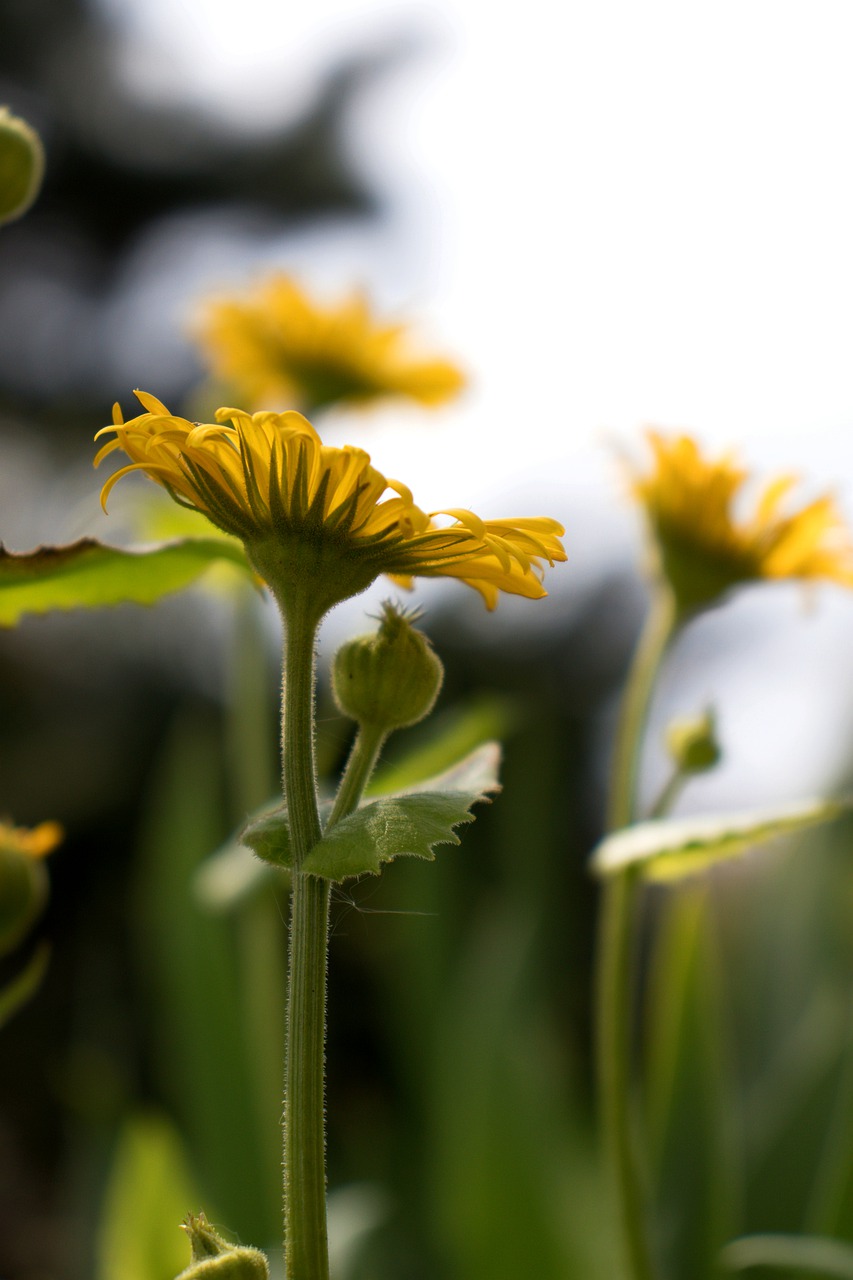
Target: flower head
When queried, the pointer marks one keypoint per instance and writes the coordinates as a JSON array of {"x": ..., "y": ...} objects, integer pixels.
[
  {"x": 704, "y": 550},
  {"x": 30, "y": 842},
  {"x": 279, "y": 346},
  {"x": 321, "y": 518}
]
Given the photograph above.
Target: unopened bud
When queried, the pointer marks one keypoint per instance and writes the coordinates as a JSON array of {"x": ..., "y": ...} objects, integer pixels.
[
  {"x": 692, "y": 743},
  {"x": 21, "y": 166},
  {"x": 389, "y": 679},
  {"x": 23, "y": 879},
  {"x": 215, "y": 1259}
]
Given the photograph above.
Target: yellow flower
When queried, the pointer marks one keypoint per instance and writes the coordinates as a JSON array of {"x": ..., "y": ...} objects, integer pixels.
[
  {"x": 278, "y": 346},
  {"x": 320, "y": 518},
  {"x": 704, "y": 550},
  {"x": 31, "y": 842}
]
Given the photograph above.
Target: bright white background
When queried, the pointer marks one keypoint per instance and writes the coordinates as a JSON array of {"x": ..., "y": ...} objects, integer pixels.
[{"x": 614, "y": 213}]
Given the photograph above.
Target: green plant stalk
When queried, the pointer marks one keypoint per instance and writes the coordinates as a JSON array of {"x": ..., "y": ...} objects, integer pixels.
[
  {"x": 614, "y": 966},
  {"x": 362, "y": 761},
  {"x": 305, "y": 1233}
]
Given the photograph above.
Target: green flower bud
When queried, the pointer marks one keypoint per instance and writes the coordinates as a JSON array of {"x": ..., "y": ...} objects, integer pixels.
[
  {"x": 21, "y": 166},
  {"x": 23, "y": 879},
  {"x": 215, "y": 1259},
  {"x": 389, "y": 679},
  {"x": 692, "y": 743}
]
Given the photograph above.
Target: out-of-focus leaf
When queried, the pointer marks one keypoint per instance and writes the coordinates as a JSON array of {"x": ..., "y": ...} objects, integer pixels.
[
  {"x": 667, "y": 849},
  {"x": 814, "y": 1254},
  {"x": 24, "y": 985},
  {"x": 406, "y": 825},
  {"x": 228, "y": 877},
  {"x": 147, "y": 1197},
  {"x": 444, "y": 739},
  {"x": 355, "y": 1211},
  {"x": 88, "y": 574}
]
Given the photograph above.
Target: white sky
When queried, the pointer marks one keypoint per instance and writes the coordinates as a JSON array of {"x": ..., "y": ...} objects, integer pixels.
[{"x": 615, "y": 213}]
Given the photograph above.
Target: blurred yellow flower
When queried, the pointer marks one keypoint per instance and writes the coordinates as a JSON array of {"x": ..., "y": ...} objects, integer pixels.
[
  {"x": 278, "y": 346},
  {"x": 316, "y": 515},
  {"x": 31, "y": 842},
  {"x": 704, "y": 550}
]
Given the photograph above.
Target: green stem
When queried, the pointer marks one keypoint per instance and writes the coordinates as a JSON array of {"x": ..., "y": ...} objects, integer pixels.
[
  {"x": 365, "y": 752},
  {"x": 670, "y": 792},
  {"x": 614, "y": 966},
  {"x": 305, "y": 1234},
  {"x": 657, "y": 633}
]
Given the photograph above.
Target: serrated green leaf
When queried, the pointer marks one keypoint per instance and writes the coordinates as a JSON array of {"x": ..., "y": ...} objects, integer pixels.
[
  {"x": 88, "y": 574},
  {"x": 667, "y": 849},
  {"x": 267, "y": 834},
  {"x": 408, "y": 825},
  {"x": 814, "y": 1254}
]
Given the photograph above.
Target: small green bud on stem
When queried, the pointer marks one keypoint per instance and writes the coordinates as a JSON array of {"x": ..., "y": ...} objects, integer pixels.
[
  {"x": 23, "y": 878},
  {"x": 214, "y": 1259},
  {"x": 389, "y": 679},
  {"x": 21, "y": 166},
  {"x": 692, "y": 743}
]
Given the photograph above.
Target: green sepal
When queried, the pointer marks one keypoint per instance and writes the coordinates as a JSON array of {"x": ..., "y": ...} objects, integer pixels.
[
  {"x": 215, "y": 1259},
  {"x": 21, "y": 989},
  {"x": 88, "y": 574},
  {"x": 409, "y": 825},
  {"x": 669, "y": 849}
]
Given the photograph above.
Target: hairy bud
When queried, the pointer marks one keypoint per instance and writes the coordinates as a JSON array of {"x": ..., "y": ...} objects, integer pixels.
[{"x": 389, "y": 679}]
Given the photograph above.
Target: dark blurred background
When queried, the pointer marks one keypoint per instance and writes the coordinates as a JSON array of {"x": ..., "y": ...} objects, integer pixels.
[{"x": 461, "y": 1118}]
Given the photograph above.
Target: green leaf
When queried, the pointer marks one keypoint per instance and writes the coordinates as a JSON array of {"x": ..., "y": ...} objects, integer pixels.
[
  {"x": 88, "y": 574},
  {"x": 408, "y": 825},
  {"x": 667, "y": 849},
  {"x": 268, "y": 836},
  {"x": 814, "y": 1254}
]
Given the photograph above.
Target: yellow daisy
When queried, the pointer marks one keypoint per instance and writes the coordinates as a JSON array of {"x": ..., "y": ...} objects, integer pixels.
[
  {"x": 704, "y": 550},
  {"x": 315, "y": 514},
  {"x": 278, "y": 346}
]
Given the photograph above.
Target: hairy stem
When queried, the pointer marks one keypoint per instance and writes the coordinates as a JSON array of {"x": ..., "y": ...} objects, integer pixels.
[{"x": 305, "y": 1233}]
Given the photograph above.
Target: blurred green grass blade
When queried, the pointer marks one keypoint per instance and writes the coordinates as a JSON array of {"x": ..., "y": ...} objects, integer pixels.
[
  {"x": 832, "y": 1187},
  {"x": 88, "y": 574},
  {"x": 696, "y": 1162},
  {"x": 669, "y": 849},
  {"x": 21, "y": 989},
  {"x": 193, "y": 965},
  {"x": 515, "y": 1187},
  {"x": 148, "y": 1195},
  {"x": 813, "y": 1254}
]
